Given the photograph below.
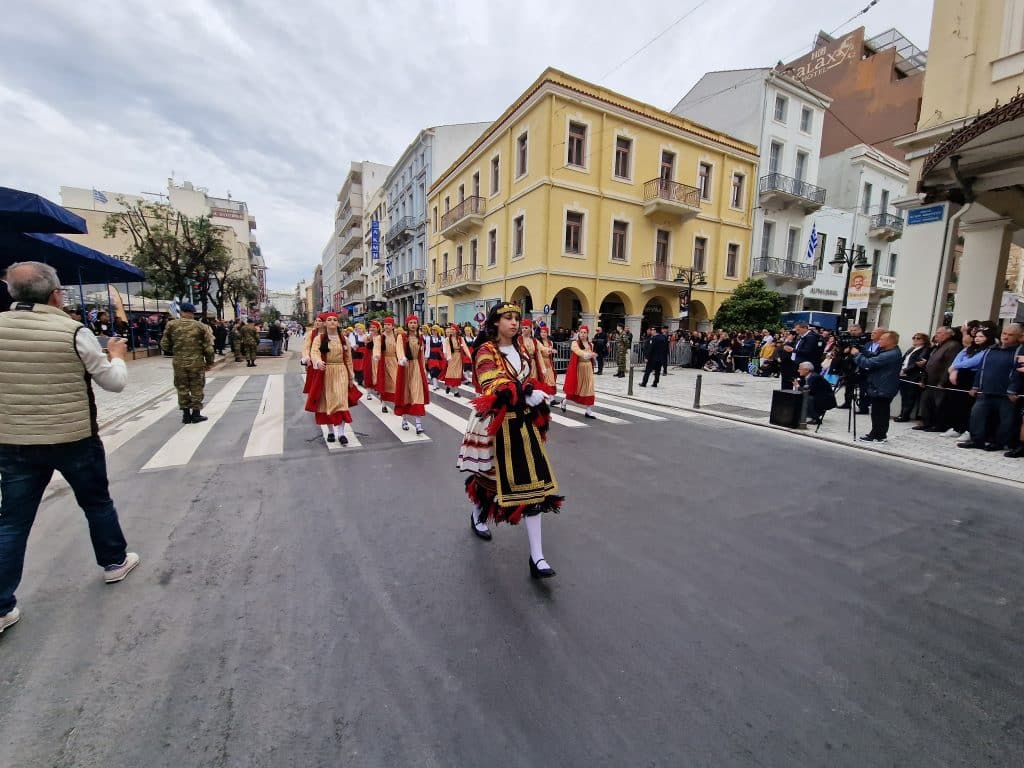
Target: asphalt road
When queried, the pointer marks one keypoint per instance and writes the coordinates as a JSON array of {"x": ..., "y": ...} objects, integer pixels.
[{"x": 726, "y": 596}]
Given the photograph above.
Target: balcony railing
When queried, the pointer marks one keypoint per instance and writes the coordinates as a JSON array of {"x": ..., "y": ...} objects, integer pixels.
[
  {"x": 467, "y": 273},
  {"x": 801, "y": 192},
  {"x": 661, "y": 272},
  {"x": 663, "y": 196},
  {"x": 887, "y": 226},
  {"x": 463, "y": 217},
  {"x": 766, "y": 265},
  {"x": 411, "y": 280},
  {"x": 400, "y": 231}
]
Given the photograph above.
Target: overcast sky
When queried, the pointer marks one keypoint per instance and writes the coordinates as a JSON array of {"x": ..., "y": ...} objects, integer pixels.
[{"x": 271, "y": 101}]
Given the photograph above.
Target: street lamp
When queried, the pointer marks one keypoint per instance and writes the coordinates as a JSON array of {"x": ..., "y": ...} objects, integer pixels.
[
  {"x": 690, "y": 278},
  {"x": 851, "y": 257}
]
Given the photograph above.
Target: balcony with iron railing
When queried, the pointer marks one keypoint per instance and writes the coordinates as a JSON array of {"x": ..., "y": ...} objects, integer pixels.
[
  {"x": 413, "y": 280},
  {"x": 787, "y": 268},
  {"x": 662, "y": 196},
  {"x": 885, "y": 226},
  {"x": 779, "y": 191},
  {"x": 464, "y": 279},
  {"x": 466, "y": 216},
  {"x": 401, "y": 231},
  {"x": 350, "y": 238},
  {"x": 351, "y": 280}
]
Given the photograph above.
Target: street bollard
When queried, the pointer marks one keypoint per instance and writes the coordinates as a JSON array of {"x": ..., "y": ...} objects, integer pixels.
[
  {"x": 696, "y": 392},
  {"x": 629, "y": 387}
]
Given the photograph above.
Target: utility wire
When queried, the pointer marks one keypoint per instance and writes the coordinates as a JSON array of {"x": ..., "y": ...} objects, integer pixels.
[
  {"x": 654, "y": 39},
  {"x": 861, "y": 12}
]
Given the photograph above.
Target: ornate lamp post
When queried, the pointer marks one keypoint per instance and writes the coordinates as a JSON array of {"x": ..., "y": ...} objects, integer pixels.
[
  {"x": 689, "y": 278},
  {"x": 851, "y": 257}
]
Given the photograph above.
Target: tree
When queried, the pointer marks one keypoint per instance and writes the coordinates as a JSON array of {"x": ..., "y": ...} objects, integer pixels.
[
  {"x": 240, "y": 289},
  {"x": 177, "y": 252},
  {"x": 751, "y": 306}
]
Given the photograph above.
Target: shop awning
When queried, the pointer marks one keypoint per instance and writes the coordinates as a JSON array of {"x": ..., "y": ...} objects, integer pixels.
[
  {"x": 75, "y": 263},
  {"x": 28, "y": 212}
]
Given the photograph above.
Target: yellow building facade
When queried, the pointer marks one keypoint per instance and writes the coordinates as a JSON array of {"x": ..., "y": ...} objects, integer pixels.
[{"x": 586, "y": 206}]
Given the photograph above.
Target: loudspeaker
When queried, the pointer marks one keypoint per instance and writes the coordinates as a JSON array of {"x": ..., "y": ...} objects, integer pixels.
[{"x": 787, "y": 409}]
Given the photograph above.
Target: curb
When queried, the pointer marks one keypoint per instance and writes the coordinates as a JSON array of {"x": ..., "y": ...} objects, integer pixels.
[{"x": 824, "y": 438}]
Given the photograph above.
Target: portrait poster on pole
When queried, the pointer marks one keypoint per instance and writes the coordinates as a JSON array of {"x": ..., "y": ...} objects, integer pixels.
[{"x": 860, "y": 289}]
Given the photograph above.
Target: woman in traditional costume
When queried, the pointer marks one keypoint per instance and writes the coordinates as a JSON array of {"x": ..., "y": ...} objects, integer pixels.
[
  {"x": 357, "y": 341},
  {"x": 370, "y": 366},
  {"x": 412, "y": 394},
  {"x": 546, "y": 352},
  {"x": 469, "y": 337},
  {"x": 579, "y": 377},
  {"x": 385, "y": 360},
  {"x": 329, "y": 395},
  {"x": 455, "y": 351},
  {"x": 307, "y": 343},
  {"x": 436, "y": 360},
  {"x": 503, "y": 448}
]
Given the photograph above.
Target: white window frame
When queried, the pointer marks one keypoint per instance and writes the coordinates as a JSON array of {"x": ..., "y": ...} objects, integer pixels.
[
  {"x": 768, "y": 243},
  {"x": 585, "y": 168},
  {"x": 566, "y": 210},
  {"x": 523, "y": 135},
  {"x": 492, "y": 255},
  {"x": 808, "y": 112},
  {"x": 674, "y": 151},
  {"x": 632, "y": 157},
  {"x": 693, "y": 259},
  {"x": 743, "y": 190},
  {"x": 781, "y": 144},
  {"x": 711, "y": 179},
  {"x": 669, "y": 260},
  {"x": 627, "y": 247},
  {"x": 807, "y": 163},
  {"x": 495, "y": 189},
  {"x": 512, "y": 256},
  {"x": 739, "y": 257},
  {"x": 793, "y": 240},
  {"x": 785, "y": 108}
]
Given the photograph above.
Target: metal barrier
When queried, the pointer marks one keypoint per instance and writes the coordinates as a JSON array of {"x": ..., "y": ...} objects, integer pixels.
[{"x": 680, "y": 354}]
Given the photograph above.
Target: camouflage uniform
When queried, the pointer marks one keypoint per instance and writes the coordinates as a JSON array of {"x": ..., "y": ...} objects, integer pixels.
[
  {"x": 622, "y": 349},
  {"x": 236, "y": 341},
  {"x": 191, "y": 343},
  {"x": 250, "y": 343}
]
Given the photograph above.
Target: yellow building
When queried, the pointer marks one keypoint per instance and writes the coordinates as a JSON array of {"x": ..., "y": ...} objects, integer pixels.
[
  {"x": 966, "y": 167},
  {"x": 594, "y": 205}
]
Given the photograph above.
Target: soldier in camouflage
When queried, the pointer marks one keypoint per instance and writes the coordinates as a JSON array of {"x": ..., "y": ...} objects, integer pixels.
[
  {"x": 623, "y": 345},
  {"x": 250, "y": 343},
  {"x": 236, "y": 340},
  {"x": 191, "y": 344}
]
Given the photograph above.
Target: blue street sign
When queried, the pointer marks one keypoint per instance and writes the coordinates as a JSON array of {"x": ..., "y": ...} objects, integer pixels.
[
  {"x": 927, "y": 215},
  {"x": 375, "y": 240},
  {"x": 547, "y": 309}
]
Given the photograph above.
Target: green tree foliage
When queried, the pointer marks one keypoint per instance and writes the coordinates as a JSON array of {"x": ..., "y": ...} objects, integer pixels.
[
  {"x": 751, "y": 306},
  {"x": 239, "y": 288},
  {"x": 175, "y": 251}
]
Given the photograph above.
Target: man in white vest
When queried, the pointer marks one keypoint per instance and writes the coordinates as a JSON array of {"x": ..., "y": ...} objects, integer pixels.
[{"x": 48, "y": 423}]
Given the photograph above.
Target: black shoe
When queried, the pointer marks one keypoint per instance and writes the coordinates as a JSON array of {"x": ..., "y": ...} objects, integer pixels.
[
  {"x": 330, "y": 437},
  {"x": 343, "y": 440},
  {"x": 484, "y": 534},
  {"x": 456, "y": 393},
  {"x": 863, "y": 413},
  {"x": 995, "y": 447},
  {"x": 384, "y": 409},
  {"x": 969, "y": 444},
  {"x": 197, "y": 416},
  {"x": 186, "y": 416},
  {"x": 589, "y": 416},
  {"x": 1016, "y": 453},
  {"x": 900, "y": 418},
  {"x": 447, "y": 390},
  {"x": 922, "y": 428},
  {"x": 642, "y": 384},
  {"x": 541, "y": 573},
  {"x": 654, "y": 385}
]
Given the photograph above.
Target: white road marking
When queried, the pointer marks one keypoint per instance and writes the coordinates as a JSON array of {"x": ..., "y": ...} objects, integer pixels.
[
  {"x": 457, "y": 423},
  {"x": 392, "y": 422},
  {"x": 266, "y": 438},
  {"x": 126, "y": 430},
  {"x": 628, "y": 411},
  {"x": 180, "y": 448},
  {"x": 599, "y": 416},
  {"x": 556, "y": 417}
]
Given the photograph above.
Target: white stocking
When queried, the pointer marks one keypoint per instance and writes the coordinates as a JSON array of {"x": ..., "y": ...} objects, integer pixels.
[
  {"x": 419, "y": 423},
  {"x": 323, "y": 428},
  {"x": 339, "y": 429},
  {"x": 533, "y": 534},
  {"x": 477, "y": 511},
  {"x": 590, "y": 411}
]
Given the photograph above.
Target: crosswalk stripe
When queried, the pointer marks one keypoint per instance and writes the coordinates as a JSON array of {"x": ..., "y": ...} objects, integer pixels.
[
  {"x": 564, "y": 421},
  {"x": 649, "y": 406},
  {"x": 127, "y": 430},
  {"x": 180, "y": 448},
  {"x": 335, "y": 447},
  {"x": 600, "y": 416},
  {"x": 628, "y": 411},
  {"x": 266, "y": 438},
  {"x": 392, "y": 422},
  {"x": 457, "y": 423}
]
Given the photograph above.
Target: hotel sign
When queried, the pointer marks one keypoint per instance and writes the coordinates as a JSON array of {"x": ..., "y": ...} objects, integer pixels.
[{"x": 823, "y": 59}]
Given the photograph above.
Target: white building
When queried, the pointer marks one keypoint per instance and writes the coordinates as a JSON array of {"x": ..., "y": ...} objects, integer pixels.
[
  {"x": 344, "y": 259},
  {"x": 375, "y": 230},
  {"x": 404, "y": 272},
  {"x": 863, "y": 183},
  {"x": 283, "y": 302},
  {"x": 784, "y": 118}
]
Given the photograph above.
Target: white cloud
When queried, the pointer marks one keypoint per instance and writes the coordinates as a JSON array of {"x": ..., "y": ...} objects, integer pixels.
[{"x": 273, "y": 101}]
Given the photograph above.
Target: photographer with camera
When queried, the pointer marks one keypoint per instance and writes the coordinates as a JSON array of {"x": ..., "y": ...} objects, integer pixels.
[{"x": 852, "y": 380}]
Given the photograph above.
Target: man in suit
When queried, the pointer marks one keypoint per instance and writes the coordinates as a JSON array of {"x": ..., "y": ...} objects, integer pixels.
[
  {"x": 657, "y": 356},
  {"x": 808, "y": 347},
  {"x": 883, "y": 379},
  {"x": 822, "y": 398}
]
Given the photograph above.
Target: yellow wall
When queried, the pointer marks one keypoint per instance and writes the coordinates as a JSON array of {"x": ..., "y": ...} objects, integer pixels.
[{"x": 550, "y": 188}]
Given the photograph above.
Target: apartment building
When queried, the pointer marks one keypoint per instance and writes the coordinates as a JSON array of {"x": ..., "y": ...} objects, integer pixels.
[
  {"x": 375, "y": 229},
  {"x": 584, "y": 206},
  {"x": 433, "y": 150},
  {"x": 784, "y": 119}
]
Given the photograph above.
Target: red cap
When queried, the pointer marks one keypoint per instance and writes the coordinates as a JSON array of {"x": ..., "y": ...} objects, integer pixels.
[
  {"x": 583, "y": 328},
  {"x": 389, "y": 320},
  {"x": 527, "y": 323},
  {"x": 325, "y": 315},
  {"x": 410, "y": 318},
  {"x": 375, "y": 324}
]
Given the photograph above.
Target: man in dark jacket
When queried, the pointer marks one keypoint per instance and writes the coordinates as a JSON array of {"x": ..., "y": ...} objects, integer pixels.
[
  {"x": 822, "y": 398},
  {"x": 993, "y": 387},
  {"x": 883, "y": 381},
  {"x": 600, "y": 348},
  {"x": 657, "y": 355},
  {"x": 808, "y": 346},
  {"x": 936, "y": 374}
]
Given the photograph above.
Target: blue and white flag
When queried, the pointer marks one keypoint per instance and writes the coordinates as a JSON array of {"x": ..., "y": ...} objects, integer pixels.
[
  {"x": 174, "y": 310},
  {"x": 387, "y": 266},
  {"x": 98, "y": 196},
  {"x": 812, "y": 245}
]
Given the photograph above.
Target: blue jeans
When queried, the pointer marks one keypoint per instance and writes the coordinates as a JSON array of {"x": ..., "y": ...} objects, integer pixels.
[
  {"x": 25, "y": 471},
  {"x": 984, "y": 408},
  {"x": 276, "y": 347}
]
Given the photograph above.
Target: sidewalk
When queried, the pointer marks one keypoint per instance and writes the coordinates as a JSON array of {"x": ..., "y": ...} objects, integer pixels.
[{"x": 742, "y": 397}]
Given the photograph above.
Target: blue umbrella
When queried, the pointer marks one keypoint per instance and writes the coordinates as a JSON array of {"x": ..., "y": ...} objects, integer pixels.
[{"x": 27, "y": 212}]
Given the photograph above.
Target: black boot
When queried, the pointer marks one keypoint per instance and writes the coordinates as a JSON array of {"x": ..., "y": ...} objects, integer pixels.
[
  {"x": 186, "y": 416},
  {"x": 197, "y": 416}
]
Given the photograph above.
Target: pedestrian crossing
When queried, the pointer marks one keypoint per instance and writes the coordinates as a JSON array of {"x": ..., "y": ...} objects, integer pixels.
[{"x": 256, "y": 417}]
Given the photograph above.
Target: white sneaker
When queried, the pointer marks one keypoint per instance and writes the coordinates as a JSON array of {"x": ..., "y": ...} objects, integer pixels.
[
  {"x": 115, "y": 573},
  {"x": 951, "y": 433},
  {"x": 9, "y": 618}
]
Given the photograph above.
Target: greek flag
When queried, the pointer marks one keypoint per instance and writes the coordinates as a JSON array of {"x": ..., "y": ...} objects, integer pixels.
[
  {"x": 387, "y": 267},
  {"x": 98, "y": 196},
  {"x": 812, "y": 245},
  {"x": 174, "y": 310}
]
